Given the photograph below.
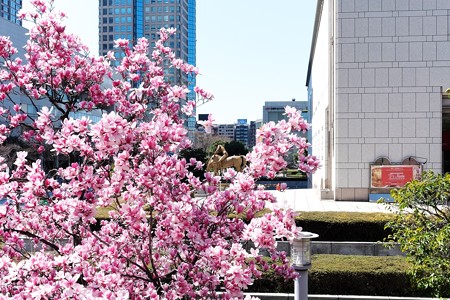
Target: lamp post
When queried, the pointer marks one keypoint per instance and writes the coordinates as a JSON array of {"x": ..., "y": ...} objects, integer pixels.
[{"x": 301, "y": 261}]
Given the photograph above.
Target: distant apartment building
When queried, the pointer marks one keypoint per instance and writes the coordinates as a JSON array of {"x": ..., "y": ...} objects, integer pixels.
[
  {"x": 9, "y": 10},
  {"x": 254, "y": 125},
  {"x": 376, "y": 76},
  {"x": 273, "y": 111},
  {"x": 134, "y": 19},
  {"x": 241, "y": 132},
  {"x": 226, "y": 130}
]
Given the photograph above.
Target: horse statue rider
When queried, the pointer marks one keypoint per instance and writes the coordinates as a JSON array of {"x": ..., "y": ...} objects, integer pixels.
[{"x": 220, "y": 160}]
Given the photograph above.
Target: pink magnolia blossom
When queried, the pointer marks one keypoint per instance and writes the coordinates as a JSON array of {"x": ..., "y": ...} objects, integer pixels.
[
  {"x": 188, "y": 108},
  {"x": 208, "y": 124},
  {"x": 156, "y": 239}
]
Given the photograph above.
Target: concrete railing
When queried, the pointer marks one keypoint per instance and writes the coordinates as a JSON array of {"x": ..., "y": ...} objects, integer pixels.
[
  {"x": 355, "y": 248},
  {"x": 317, "y": 247},
  {"x": 345, "y": 248}
]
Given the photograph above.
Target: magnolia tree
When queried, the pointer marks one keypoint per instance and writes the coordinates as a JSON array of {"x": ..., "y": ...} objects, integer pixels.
[{"x": 159, "y": 241}]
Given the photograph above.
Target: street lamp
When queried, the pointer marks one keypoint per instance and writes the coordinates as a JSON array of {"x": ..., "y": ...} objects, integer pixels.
[{"x": 301, "y": 261}]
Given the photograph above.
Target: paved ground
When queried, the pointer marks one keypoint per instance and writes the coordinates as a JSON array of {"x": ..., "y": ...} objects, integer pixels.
[{"x": 309, "y": 200}]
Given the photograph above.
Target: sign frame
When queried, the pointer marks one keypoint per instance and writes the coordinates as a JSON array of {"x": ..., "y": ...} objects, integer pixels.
[{"x": 393, "y": 175}]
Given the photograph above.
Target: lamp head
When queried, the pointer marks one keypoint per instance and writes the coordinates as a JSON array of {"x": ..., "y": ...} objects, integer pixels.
[{"x": 301, "y": 249}]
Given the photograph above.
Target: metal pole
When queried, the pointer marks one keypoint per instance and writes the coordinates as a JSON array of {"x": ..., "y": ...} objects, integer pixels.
[{"x": 301, "y": 285}]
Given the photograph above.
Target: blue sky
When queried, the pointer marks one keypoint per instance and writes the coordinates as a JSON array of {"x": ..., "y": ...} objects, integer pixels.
[{"x": 248, "y": 51}]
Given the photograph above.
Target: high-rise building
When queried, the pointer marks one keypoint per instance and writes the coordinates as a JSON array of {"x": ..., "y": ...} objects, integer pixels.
[
  {"x": 9, "y": 9},
  {"x": 133, "y": 19}
]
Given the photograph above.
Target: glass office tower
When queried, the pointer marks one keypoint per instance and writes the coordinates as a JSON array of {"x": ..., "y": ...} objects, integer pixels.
[
  {"x": 9, "y": 10},
  {"x": 191, "y": 59},
  {"x": 133, "y": 19}
]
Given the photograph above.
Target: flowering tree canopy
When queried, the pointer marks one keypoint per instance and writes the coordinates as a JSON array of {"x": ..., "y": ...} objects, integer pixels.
[{"x": 159, "y": 240}]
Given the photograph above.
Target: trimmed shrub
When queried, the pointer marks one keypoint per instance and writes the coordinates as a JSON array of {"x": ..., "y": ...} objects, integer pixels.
[
  {"x": 346, "y": 226},
  {"x": 361, "y": 275},
  {"x": 349, "y": 275}
]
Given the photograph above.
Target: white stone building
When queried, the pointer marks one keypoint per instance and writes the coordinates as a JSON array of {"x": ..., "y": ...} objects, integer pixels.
[{"x": 376, "y": 76}]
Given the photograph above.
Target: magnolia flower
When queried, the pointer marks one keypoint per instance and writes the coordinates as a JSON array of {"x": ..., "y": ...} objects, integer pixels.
[{"x": 208, "y": 124}]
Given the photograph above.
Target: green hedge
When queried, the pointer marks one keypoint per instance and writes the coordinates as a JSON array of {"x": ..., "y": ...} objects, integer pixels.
[
  {"x": 349, "y": 275},
  {"x": 331, "y": 226},
  {"x": 346, "y": 226}
]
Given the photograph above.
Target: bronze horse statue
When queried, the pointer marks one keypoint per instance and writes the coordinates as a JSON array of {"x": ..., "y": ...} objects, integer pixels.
[{"x": 236, "y": 161}]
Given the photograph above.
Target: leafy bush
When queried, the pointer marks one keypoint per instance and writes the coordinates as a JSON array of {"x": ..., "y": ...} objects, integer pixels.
[
  {"x": 346, "y": 226},
  {"x": 422, "y": 227}
]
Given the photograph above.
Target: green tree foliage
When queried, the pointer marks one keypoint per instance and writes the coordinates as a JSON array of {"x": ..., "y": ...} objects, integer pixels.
[
  {"x": 232, "y": 147},
  {"x": 235, "y": 148},
  {"x": 422, "y": 227}
]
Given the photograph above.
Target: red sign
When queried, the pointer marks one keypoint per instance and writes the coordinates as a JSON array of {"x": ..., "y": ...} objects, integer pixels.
[{"x": 393, "y": 176}]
